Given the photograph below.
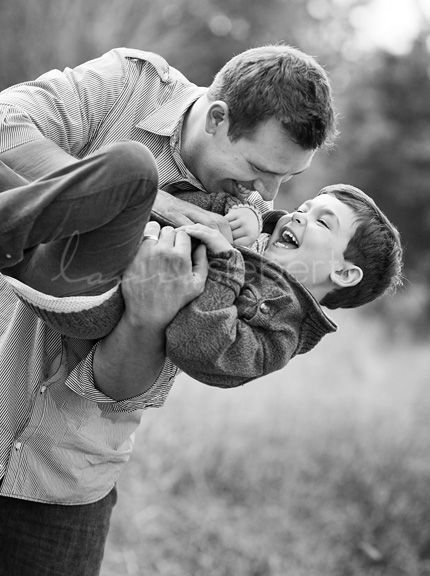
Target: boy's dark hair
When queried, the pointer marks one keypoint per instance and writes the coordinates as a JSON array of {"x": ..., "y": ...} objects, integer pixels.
[
  {"x": 375, "y": 247},
  {"x": 281, "y": 82}
]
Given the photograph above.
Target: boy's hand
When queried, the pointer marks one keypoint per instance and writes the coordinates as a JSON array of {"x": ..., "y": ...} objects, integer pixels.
[
  {"x": 244, "y": 224},
  {"x": 213, "y": 239}
]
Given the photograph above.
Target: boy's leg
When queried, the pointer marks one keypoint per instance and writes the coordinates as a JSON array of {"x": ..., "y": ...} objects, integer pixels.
[
  {"x": 75, "y": 230},
  {"x": 53, "y": 540}
]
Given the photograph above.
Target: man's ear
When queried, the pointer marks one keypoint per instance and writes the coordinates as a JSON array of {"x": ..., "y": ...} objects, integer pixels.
[
  {"x": 216, "y": 114},
  {"x": 347, "y": 276}
]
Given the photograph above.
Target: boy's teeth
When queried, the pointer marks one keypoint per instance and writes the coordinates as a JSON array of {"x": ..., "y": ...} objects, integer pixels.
[{"x": 289, "y": 237}]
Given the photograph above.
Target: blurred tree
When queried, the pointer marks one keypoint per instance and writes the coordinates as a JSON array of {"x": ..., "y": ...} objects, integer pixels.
[
  {"x": 384, "y": 100},
  {"x": 197, "y": 36},
  {"x": 385, "y": 145}
]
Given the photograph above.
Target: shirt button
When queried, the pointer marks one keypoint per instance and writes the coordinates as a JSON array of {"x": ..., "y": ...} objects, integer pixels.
[
  {"x": 8, "y": 256},
  {"x": 18, "y": 445},
  {"x": 42, "y": 389},
  {"x": 264, "y": 308}
]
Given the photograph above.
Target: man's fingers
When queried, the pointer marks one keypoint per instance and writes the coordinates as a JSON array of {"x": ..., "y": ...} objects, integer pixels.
[
  {"x": 167, "y": 236},
  {"x": 200, "y": 265},
  {"x": 151, "y": 231},
  {"x": 182, "y": 220},
  {"x": 226, "y": 231},
  {"x": 183, "y": 241}
]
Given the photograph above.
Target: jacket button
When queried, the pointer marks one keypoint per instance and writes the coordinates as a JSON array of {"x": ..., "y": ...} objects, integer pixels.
[{"x": 264, "y": 308}]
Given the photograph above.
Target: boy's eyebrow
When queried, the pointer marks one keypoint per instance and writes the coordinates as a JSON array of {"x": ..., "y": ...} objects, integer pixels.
[
  {"x": 323, "y": 211},
  {"x": 328, "y": 212}
]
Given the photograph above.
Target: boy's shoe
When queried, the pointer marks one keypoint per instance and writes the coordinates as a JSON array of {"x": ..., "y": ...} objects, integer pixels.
[{"x": 85, "y": 317}]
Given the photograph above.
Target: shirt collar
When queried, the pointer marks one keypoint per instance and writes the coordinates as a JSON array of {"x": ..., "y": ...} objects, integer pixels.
[{"x": 165, "y": 119}]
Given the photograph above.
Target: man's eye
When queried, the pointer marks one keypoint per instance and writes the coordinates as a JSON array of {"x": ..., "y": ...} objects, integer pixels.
[
  {"x": 323, "y": 222},
  {"x": 256, "y": 169}
]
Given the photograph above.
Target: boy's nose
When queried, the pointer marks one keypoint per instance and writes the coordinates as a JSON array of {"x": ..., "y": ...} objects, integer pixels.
[{"x": 298, "y": 217}]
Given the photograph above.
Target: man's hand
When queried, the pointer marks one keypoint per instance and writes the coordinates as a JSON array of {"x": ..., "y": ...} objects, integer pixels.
[
  {"x": 181, "y": 213},
  {"x": 162, "y": 277},
  {"x": 161, "y": 280}
]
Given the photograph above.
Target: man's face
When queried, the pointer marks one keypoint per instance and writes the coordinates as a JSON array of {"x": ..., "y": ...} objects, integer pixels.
[
  {"x": 262, "y": 161},
  {"x": 310, "y": 242}
]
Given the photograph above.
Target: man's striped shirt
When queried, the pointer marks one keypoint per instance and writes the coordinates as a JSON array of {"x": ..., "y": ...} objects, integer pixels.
[{"x": 62, "y": 440}]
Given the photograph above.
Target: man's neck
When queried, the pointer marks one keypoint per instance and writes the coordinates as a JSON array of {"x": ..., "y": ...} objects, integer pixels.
[{"x": 191, "y": 130}]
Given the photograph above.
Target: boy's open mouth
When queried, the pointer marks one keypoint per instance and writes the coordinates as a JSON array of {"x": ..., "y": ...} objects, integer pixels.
[{"x": 287, "y": 239}]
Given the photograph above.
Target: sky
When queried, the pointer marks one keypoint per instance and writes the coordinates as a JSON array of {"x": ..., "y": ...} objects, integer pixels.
[{"x": 389, "y": 24}]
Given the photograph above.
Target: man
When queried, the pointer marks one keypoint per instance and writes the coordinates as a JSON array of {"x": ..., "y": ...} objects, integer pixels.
[{"x": 69, "y": 407}]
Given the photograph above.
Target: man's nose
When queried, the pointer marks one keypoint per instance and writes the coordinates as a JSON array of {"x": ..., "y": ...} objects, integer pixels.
[{"x": 268, "y": 187}]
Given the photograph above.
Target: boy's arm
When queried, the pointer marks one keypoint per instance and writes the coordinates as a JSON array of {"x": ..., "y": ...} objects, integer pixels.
[{"x": 226, "y": 337}]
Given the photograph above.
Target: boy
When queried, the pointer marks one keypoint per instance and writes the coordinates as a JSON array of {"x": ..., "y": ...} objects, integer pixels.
[
  {"x": 262, "y": 305},
  {"x": 337, "y": 250}
]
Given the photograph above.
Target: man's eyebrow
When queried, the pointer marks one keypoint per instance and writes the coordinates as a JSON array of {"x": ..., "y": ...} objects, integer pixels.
[
  {"x": 261, "y": 168},
  {"x": 267, "y": 171}
]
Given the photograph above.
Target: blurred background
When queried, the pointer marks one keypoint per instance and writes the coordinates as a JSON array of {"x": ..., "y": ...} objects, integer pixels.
[{"x": 322, "y": 468}]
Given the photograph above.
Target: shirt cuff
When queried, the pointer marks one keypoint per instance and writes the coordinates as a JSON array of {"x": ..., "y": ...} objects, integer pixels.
[{"x": 81, "y": 381}]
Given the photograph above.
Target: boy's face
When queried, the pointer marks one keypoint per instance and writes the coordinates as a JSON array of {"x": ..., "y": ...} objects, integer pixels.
[
  {"x": 261, "y": 161},
  {"x": 309, "y": 243}
]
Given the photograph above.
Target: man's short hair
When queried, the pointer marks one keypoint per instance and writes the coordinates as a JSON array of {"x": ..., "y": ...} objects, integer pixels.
[
  {"x": 375, "y": 247},
  {"x": 281, "y": 82}
]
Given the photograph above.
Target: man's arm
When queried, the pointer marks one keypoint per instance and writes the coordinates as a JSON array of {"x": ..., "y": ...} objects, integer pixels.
[
  {"x": 180, "y": 213},
  {"x": 159, "y": 282}
]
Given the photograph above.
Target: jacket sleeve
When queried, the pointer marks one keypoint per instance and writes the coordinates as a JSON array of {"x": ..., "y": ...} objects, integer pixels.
[
  {"x": 218, "y": 341},
  {"x": 218, "y": 202}
]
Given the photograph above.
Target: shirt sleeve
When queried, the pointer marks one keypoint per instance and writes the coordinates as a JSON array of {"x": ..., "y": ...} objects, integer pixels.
[
  {"x": 66, "y": 107},
  {"x": 81, "y": 381},
  {"x": 220, "y": 340}
]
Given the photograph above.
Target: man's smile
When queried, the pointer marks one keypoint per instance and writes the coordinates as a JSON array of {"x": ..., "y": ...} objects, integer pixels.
[{"x": 241, "y": 191}]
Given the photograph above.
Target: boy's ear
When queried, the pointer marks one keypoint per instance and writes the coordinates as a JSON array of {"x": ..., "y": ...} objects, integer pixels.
[
  {"x": 216, "y": 114},
  {"x": 347, "y": 276}
]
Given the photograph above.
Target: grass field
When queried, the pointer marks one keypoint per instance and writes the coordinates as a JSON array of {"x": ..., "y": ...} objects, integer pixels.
[{"x": 322, "y": 469}]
